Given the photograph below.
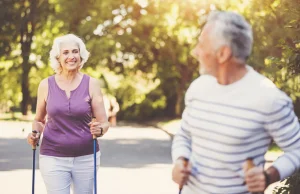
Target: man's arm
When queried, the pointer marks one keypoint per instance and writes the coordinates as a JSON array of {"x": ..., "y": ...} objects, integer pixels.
[
  {"x": 282, "y": 124},
  {"x": 181, "y": 147}
]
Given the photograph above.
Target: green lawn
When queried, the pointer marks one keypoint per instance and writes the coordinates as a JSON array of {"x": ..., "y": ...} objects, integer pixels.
[{"x": 16, "y": 116}]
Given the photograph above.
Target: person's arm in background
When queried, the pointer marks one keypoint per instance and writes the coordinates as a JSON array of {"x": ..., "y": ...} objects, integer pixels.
[
  {"x": 283, "y": 125},
  {"x": 98, "y": 109},
  {"x": 115, "y": 106},
  {"x": 39, "y": 119}
]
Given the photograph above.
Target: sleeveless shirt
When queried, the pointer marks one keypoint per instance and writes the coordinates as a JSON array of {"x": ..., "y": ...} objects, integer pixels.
[{"x": 66, "y": 132}]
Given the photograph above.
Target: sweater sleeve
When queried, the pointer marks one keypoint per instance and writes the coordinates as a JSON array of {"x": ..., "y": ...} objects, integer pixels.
[
  {"x": 282, "y": 124},
  {"x": 181, "y": 146}
]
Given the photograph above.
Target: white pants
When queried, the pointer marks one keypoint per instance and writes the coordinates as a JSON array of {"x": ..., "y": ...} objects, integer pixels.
[{"x": 59, "y": 173}]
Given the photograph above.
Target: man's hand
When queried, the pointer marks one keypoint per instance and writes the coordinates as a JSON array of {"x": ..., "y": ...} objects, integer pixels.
[
  {"x": 181, "y": 171},
  {"x": 255, "y": 179}
]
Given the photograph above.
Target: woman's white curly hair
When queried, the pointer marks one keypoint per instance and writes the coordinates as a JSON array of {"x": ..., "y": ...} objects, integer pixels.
[{"x": 55, "y": 51}]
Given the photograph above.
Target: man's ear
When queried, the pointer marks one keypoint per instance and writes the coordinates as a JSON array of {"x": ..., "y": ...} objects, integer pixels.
[{"x": 224, "y": 54}]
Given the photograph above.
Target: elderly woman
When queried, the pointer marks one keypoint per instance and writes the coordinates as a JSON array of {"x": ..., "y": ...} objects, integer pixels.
[{"x": 69, "y": 99}]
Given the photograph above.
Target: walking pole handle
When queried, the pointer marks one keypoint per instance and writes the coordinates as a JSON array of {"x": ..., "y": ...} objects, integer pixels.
[
  {"x": 34, "y": 132},
  {"x": 101, "y": 134},
  {"x": 94, "y": 120},
  {"x": 250, "y": 164}
]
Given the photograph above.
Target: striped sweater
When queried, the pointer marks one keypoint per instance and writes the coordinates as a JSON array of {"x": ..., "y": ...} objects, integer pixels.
[{"x": 223, "y": 125}]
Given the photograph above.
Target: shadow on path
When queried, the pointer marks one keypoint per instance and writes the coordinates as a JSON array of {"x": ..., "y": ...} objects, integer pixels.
[{"x": 123, "y": 153}]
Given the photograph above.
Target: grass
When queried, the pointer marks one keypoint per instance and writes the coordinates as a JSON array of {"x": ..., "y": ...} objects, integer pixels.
[
  {"x": 274, "y": 148},
  {"x": 16, "y": 116},
  {"x": 166, "y": 123}
]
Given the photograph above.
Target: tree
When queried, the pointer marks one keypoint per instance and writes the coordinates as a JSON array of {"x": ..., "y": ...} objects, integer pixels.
[{"x": 21, "y": 21}]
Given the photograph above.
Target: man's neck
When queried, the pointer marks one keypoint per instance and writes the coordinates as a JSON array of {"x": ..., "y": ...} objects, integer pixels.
[{"x": 230, "y": 73}]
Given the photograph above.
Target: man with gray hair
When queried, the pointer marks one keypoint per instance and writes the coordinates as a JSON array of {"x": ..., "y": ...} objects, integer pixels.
[{"x": 232, "y": 114}]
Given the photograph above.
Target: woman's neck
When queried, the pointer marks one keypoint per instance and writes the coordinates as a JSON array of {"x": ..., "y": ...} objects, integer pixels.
[{"x": 68, "y": 76}]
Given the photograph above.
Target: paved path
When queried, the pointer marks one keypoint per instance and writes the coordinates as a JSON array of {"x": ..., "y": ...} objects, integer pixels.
[{"x": 135, "y": 160}]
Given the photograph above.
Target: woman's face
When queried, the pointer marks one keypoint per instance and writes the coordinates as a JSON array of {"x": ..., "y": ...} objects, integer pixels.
[{"x": 69, "y": 56}]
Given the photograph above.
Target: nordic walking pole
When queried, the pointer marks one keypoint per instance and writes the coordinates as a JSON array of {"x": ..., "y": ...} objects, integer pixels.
[
  {"x": 95, "y": 164},
  {"x": 95, "y": 161},
  {"x": 33, "y": 163},
  {"x": 185, "y": 164},
  {"x": 250, "y": 164}
]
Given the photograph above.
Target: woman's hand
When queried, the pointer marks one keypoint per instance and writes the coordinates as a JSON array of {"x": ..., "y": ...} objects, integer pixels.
[
  {"x": 33, "y": 138},
  {"x": 98, "y": 129}
]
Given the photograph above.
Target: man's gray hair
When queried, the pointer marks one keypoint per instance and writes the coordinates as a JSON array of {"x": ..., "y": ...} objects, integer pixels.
[
  {"x": 55, "y": 51},
  {"x": 234, "y": 31}
]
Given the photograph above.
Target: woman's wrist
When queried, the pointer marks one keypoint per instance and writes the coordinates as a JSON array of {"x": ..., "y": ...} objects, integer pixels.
[{"x": 101, "y": 131}]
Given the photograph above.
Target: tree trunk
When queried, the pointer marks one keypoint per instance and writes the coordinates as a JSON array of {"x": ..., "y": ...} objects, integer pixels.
[
  {"x": 186, "y": 77},
  {"x": 27, "y": 33},
  {"x": 170, "y": 108},
  {"x": 179, "y": 104},
  {"x": 25, "y": 86}
]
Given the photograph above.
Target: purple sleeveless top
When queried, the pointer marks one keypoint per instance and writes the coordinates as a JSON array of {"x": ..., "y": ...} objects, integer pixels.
[{"x": 67, "y": 133}]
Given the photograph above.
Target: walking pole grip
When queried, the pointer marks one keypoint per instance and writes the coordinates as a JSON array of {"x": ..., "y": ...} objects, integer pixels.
[
  {"x": 34, "y": 146},
  {"x": 94, "y": 120},
  {"x": 185, "y": 164},
  {"x": 250, "y": 164}
]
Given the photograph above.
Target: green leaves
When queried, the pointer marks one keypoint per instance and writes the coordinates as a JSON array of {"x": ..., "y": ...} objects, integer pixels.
[{"x": 143, "y": 47}]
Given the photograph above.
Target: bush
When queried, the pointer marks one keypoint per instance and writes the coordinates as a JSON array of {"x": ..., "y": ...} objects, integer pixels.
[{"x": 291, "y": 185}]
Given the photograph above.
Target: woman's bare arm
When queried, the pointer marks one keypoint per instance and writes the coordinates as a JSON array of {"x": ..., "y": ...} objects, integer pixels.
[
  {"x": 39, "y": 120},
  {"x": 98, "y": 108}
]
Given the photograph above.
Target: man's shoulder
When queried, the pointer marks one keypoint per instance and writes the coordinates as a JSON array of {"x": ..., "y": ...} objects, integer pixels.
[
  {"x": 202, "y": 81},
  {"x": 200, "y": 85},
  {"x": 267, "y": 88}
]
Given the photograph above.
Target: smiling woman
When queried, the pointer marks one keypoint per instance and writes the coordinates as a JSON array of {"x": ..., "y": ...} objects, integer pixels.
[
  {"x": 60, "y": 45},
  {"x": 70, "y": 99}
]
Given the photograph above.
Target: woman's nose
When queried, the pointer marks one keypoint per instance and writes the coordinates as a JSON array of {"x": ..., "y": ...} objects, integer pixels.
[{"x": 71, "y": 56}]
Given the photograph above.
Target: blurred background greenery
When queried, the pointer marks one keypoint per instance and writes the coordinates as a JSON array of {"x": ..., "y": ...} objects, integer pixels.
[{"x": 140, "y": 49}]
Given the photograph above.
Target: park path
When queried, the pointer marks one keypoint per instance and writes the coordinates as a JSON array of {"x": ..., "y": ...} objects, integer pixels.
[{"x": 135, "y": 159}]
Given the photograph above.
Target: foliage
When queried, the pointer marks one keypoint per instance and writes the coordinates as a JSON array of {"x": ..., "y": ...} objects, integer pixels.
[
  {"x": 140, "y": 49},
  {"x": 291, "y": 185}
]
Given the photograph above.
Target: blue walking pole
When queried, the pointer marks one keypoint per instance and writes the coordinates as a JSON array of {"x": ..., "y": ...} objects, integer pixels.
[
  {"x": 95, "y": 158},
  {"x": 33, "y": 163},
  {"x": 95, "y": 164}
]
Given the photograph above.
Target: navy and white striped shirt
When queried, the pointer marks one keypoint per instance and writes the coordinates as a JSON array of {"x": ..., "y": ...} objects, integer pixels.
[{"x": 223, "y": 125}]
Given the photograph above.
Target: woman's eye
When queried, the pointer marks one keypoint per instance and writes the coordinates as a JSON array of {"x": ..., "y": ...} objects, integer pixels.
[{"x": 65, "y": 53}]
